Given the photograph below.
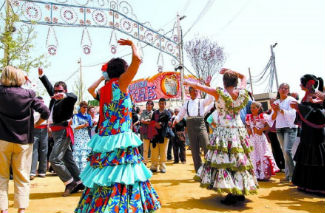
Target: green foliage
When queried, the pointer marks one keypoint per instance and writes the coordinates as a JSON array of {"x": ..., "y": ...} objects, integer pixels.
[{"x": 17, "y": 44}]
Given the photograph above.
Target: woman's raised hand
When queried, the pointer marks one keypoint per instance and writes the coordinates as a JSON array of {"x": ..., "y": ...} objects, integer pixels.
[
  {"x": 224, "y": 70},
  {"x": 125, "y": 42}
]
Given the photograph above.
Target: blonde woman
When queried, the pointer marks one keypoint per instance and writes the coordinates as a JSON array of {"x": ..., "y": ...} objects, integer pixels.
[{"x": 16, "y": 135}]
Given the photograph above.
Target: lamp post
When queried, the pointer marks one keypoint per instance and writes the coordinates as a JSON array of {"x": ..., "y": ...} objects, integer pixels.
[
  {"x": 181, "y": 56},
  {"x": 274, "y": 66},
  {"x": 81, "y": 83}
]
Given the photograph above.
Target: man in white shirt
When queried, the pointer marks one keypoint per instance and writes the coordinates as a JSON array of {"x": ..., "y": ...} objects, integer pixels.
[{"x": 194, "y": 110}]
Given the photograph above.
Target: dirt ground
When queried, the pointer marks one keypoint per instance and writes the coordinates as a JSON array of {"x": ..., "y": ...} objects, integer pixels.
[{"x": 179, "y": 193}]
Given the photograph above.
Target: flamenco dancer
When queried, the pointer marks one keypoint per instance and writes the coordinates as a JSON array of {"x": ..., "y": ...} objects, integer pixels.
[
  {"x": 228, "y": 167},
  {"x": 115, "y": 177},
  {"x": 309, "y": 173}
]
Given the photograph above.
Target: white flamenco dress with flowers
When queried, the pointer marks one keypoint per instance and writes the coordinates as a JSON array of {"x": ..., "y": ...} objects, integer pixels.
[
  {"x": 262, "y": 157},
  {"x": 227, "y": 166}
]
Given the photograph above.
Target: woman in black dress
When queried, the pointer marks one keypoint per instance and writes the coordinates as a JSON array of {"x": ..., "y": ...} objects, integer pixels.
[{"x": 309, "y": 173}]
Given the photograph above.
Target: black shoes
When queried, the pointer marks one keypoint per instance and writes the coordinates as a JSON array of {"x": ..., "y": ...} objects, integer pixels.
[
  {"x": 69, "y": 188},
  {"x": 231, "y": 199},
  {"x": 80, "y": 187},
  {"x": 240, "y": 197}
]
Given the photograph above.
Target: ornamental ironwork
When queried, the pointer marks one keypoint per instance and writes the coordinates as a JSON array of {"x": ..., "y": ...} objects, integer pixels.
[{"x": 113, "y": 14}]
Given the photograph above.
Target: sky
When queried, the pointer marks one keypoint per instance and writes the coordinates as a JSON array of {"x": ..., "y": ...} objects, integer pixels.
[{"x": 244, "y": 28}]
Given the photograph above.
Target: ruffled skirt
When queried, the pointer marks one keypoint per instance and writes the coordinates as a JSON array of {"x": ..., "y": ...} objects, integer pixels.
[
  {"x": 227, "y": 166},
  {"x": 116, "y": 180},
  {"x": 262, "y": 158}
]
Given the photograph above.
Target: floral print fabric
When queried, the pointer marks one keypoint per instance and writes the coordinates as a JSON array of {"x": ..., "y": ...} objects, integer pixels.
[
  {"x": 119, "y": 198},
  {"x": 115, "y": 177},
  {"x": 122, "y": 156},
  {"x": 227, "y": 166},
  {"x": 117, "y": 113},
  {"x": 81, "y": 138}
]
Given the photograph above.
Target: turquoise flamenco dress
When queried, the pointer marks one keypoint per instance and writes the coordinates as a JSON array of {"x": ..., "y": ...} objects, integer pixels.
[{"x": 115, "y": 177}]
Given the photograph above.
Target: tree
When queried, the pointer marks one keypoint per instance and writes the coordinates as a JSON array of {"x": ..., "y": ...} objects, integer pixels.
[
  {"x": 206, "y": 57},
  {"x": 17, "y": 43}
]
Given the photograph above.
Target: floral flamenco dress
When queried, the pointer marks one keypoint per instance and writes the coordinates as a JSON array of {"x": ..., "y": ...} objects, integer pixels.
[
  {"x": 261, "y": 157},
  {"x": 227, "y": 166},
  {"x": 115, "y": 177}
]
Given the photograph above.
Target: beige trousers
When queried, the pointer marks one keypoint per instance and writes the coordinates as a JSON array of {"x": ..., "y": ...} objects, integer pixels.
[
  {"x": 159, "y": 155},
  {"x": 146, "y": 144},
  {"x": 19, "y": 157}
]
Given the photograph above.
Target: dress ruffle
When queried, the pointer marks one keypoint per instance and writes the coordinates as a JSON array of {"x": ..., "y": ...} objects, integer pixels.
[
  {"x": 230, "y": 140},
  {"x": 128, "y": 174},
  {"x": 117, "y": 157},
  {"x": 224, "y": 180},
  {"x": 227, "y": 166},
  {"x": 113, "y": 142},
  {"x": 138, "y": 198}
]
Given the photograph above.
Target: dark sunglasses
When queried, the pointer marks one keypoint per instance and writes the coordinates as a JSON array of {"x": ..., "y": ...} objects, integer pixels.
[{"x": 58, "y": 91}]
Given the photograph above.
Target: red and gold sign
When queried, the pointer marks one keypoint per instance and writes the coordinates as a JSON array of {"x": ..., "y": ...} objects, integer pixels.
[{"x": 161, "y": 85}]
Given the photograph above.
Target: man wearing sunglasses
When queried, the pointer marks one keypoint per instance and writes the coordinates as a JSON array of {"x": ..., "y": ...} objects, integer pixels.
[{"x": 61, "y": 106}]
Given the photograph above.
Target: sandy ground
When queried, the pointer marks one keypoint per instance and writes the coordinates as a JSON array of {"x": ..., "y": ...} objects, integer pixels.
[{"x": 179, "y": 193}]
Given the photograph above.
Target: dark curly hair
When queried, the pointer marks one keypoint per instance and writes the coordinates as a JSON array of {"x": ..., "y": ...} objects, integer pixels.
[
  {"x": 116, "y": 67},
  {"x": 307, "y": 79}
]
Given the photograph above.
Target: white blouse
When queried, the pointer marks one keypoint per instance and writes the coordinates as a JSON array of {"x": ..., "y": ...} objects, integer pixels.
[{"x": 288, "y": 117}]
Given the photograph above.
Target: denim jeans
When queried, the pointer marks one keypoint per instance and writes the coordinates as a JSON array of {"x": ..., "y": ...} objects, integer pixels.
[
  {"x": 61, "y": 157},
  {"x": 40, "y": 149},
  {"x": 287, "y": 137}
]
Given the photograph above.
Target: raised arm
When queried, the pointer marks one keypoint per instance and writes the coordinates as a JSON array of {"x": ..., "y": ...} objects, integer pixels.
[
  {"x": 126, "y": 78},
  {"x": 243, "y": 80},
  {"x": 47, "y": 84},
  {"x": 93, "y": 87},
  {"x": 209, "y": 90}
]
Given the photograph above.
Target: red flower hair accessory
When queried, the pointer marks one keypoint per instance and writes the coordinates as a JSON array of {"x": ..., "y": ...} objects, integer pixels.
[
  {"x": 310, "y": 84},
  {"x": 104, "y": 67}
]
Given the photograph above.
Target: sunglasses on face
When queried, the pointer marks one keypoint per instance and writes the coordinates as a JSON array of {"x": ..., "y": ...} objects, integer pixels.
[{"x": 58, "y": 91}]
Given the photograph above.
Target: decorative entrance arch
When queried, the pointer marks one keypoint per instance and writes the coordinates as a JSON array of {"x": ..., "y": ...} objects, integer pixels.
[{"x": 111, "y": 14}]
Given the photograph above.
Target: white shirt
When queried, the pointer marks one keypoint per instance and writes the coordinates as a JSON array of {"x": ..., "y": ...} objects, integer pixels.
[
  {"x": 51, "y": 115},
  {"x": 193, "y": 107},
  {"x": 288, "y": 117}
]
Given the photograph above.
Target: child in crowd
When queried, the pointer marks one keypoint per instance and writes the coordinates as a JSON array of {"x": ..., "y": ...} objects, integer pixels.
[{"x": 262, "y": 158}]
